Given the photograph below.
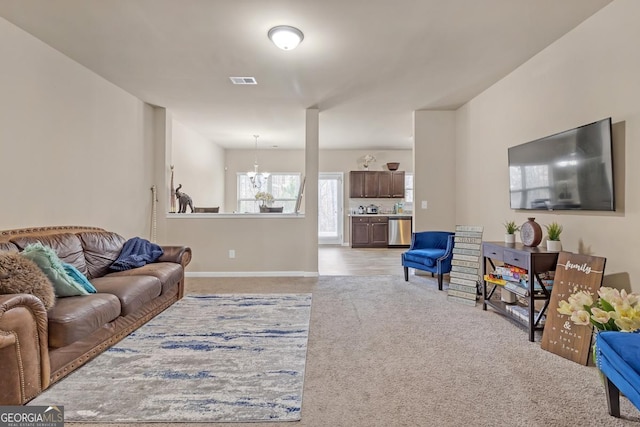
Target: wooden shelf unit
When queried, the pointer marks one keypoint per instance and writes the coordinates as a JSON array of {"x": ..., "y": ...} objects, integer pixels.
[{"x": 536, "y": 261}]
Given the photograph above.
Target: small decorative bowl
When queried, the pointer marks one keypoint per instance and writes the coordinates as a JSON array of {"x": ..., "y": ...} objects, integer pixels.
[{"x": 393, "y": 166}]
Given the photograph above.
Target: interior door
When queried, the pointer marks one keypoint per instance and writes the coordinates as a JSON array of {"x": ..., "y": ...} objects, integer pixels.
[{"x": 330, "y": 208}]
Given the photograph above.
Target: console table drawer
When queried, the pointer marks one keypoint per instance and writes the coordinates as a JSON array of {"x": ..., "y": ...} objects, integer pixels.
[
  {"x": 495, "y": 252},
  {"x": 516, "y": 258}
]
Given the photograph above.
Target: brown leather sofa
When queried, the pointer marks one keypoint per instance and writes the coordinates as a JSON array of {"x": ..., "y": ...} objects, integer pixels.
[{"x": 39, "y": 347}]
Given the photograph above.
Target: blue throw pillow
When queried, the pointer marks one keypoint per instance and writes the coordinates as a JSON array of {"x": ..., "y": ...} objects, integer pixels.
[
  {"x": 48, "y": 261},
  {"x": 79, "y": 278}
]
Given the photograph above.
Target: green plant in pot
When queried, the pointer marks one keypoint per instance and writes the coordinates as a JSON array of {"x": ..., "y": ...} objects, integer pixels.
[
  {"x": 510, "y": 229},
  {"x": 553, "y": 237}
]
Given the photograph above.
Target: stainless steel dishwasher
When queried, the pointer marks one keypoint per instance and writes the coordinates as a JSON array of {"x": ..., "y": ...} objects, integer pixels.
[{"x": 399, "y": 231}]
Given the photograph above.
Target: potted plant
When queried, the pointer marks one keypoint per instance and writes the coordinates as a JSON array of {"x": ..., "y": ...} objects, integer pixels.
[
  {"x": 265, "y": 199},
  {"x": 510, "y": 227},
  {"x": 553, "y": 237}
]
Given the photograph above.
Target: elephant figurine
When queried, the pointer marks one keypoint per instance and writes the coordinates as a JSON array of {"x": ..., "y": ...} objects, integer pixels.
[{"x": 184, "y": 200}]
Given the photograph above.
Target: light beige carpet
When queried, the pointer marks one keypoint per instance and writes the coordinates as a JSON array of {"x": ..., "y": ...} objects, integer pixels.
[{"x": 384, "y": 352}]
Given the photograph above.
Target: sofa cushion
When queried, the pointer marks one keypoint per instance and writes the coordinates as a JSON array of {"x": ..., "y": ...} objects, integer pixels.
[
  {"x": 101, "y": 249},
  {"x": 19, "y": 275},
  {"x": 66, "y": 245},
  {"x": 132, "y": 291},
  {"x": 51, "y": 266},
  {"x": 426, "y": 257},
  {"x": 74, "y": 318},
  {"x": 169, "y": 273}
]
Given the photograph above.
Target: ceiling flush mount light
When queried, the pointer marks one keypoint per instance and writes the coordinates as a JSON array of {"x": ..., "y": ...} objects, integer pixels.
[{"x": 286, "y": 37}]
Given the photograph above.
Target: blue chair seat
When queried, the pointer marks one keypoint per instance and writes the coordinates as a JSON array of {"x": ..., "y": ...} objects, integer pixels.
[
  {"x": 430, "y": 251},
  {"x": 618, "y": 358},
  {"x": 427, "y": 257}
]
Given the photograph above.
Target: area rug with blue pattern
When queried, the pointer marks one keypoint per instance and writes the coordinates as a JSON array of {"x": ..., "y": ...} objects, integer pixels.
[{"x": 207, "y": 358}]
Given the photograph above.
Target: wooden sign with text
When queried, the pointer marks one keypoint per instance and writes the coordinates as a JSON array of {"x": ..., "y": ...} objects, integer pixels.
[
  {"x": 574, "y": 272},
  {"x": 465, "y": 265}
]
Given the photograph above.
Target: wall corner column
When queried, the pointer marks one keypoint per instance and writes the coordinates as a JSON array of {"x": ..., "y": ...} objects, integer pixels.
[
  {"x": 434, "y": 170},
  {"x": 163, "y": 148},
  {"x": 312, "y": 149}
]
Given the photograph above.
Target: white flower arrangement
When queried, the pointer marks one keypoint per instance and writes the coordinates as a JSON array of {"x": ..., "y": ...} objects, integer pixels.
[
  {"x": 368, "y": 159},
  {"x": 613, "y": 311},
  {"x": 265, "y": 197}
]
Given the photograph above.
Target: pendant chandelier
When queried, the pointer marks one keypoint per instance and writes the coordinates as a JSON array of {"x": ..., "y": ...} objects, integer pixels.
[{"x": 258, "y": 179}]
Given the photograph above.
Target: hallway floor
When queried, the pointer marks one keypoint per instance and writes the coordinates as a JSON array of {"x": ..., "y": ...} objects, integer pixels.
[{"x": 347, "y": 261}]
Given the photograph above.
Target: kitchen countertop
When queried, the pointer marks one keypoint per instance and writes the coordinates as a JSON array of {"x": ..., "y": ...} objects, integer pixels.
[{"x": 400, "y": 215}]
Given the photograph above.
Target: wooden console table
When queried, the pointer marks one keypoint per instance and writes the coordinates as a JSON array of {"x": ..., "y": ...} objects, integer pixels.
[{"x": 536, "y": 261}]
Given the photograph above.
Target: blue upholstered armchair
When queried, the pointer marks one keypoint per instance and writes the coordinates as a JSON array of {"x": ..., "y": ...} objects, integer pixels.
[{"x": 430, "y": 251}]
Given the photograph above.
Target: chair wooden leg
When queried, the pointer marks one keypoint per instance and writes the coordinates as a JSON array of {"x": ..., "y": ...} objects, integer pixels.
[
  {"x": 439, "y": 281},
  {"x": 613, "y": 398},
  {"x": 406, "y": 274}
]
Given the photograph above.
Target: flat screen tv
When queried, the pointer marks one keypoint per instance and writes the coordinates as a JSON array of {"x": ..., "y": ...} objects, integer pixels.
[{"x": 571, "y": 170}]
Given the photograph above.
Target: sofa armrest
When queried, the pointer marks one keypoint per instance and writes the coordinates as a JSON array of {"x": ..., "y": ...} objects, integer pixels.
[
  {"x": 177, "y": 254},
  {"x": 24, "y": 352}
]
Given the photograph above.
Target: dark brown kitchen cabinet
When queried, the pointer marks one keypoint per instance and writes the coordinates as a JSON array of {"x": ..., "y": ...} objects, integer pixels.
[
  {"x": 359, "y": 232},
  {"x": 379, "y": 232},
  {"x": 376, "y": 184},
  {"x": 397, "y": 184},
  {"x": 356, "y": 184},
  {"x": 391, "y": 184},
  {"x": 371, "y": 180},
  {"x": 384, "y": 184},
  {"x": 369, "y": 231}
]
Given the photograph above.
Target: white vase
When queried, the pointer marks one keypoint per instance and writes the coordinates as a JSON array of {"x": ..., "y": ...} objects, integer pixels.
[
  {"x": 509, "y": 238},
  {"x": 554, "y": 245}
]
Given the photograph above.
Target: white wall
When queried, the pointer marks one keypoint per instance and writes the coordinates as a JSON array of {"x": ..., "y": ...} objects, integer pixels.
[
  {"x": 78, "y": 150},
  {"x": 263, "y": 244},
  {"x": 199, "y": 166},
  {"x": 75, "y": 149},
  {"x": 435, "y": 172},
  {"x": 589, "y": 74}
]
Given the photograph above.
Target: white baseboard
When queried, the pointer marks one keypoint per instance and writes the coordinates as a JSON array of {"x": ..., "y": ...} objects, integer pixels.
[{"x": 251, "y": 274}]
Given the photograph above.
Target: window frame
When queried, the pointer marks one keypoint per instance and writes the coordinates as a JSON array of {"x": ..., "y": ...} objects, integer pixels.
[{"x": 277, "y": 201}]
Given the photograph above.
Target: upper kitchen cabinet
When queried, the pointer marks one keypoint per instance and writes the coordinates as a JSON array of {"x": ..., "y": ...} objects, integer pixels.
[
  {"x": 356, "y": 184},
  {"x": 371, "y": 180},
  {"x": 363, "y": 184},
  {"x": 376, "y": 184},
  {"x": 397, "y": 184},
  {"x": 391, "y": 184}
]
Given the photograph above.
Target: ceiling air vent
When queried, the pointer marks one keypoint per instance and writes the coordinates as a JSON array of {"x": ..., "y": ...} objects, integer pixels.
[{"x": 243, "y": 80}]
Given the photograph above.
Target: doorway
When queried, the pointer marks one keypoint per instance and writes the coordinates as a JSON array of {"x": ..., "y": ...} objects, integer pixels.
[{"x": 330, "y": 208}]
